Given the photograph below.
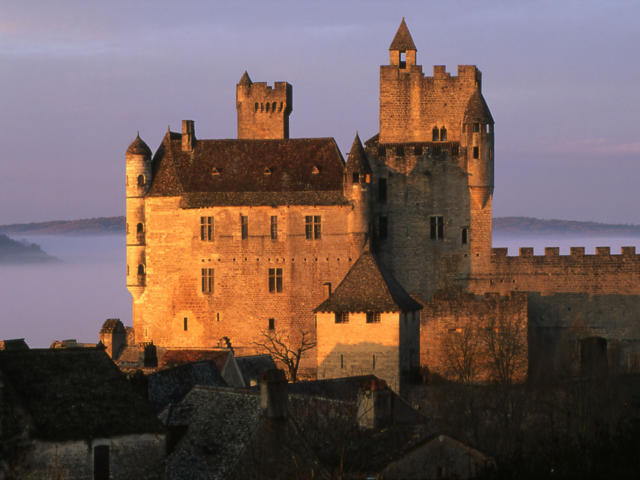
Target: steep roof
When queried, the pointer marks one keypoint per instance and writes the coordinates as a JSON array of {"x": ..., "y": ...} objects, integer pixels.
[
  {"x": 402, "y": 40},
  {"x": 477, "y": 109},
  {"x": 138, "y": 147},
  {"x": 245, "y": 80},
  {"x": 253, "y": 366},
  {"x": 357, "y": 159},
  {"x": 111, "y": 325},
  {"x": 75, "y": 394},
  {"x": 244, "y": 171},
  {"x": 367, "y": 287}
]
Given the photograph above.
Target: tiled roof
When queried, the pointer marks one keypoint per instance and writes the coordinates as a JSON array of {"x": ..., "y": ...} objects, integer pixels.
[
  {"x": 253, "y": 366},
  {"x": 265, "y": 172},
  {"x": 173, "y": 358},
  {"x": 357, "y": 159},
  {"x": 138, "y": 147},
  {"x": 477, "y": 109},
  {"x": 402, "y": 40},
  {"x": 75, "y": 394},
  {"x": 367, "y": 287}
]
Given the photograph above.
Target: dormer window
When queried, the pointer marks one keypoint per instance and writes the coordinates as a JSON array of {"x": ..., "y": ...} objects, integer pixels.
[
  {"x": 315, "y": 170},
  {"x": 267, "y": 171},
  {"x": 215, "y": 171}
]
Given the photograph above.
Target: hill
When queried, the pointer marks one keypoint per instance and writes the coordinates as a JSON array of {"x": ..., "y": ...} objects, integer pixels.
[
  {"x": 501, "y": 225},
  {"x": 85, "y": 226},
  {"x": 14, "y": 252}
]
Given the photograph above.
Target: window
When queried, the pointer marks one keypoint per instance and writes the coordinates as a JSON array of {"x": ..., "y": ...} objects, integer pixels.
[
  {"x": 403, "y": 59},
  {"x": 356, "y": 177},
  {"x": 272, "y": 324},
  {"x": 476, "y": 127},
  {"x": 373, "y": 317},
  {"x": 206, "y": 228},
  {"x": 382, "y": 227},
  {"x": 244, "y": 227},
  {"x": 207, "y": 280},
  {"x": 141, "y": 180},
  {"x": 437, "y": 227},
  {"x": 341, "y": 361},
  {"x": 373, "y": 361},
  {"x": 465, "y": 235},
  {"x": 185, "y": 324},
  {"x": 140, "y": 269},
  {"x": 435, "y": 134},
  {"x": 476, "y": 152},
  {"x": 313, "y": 227},
  {"x": 275, "y": 280},
  {"x": 341, "y": 317},
  {"x": 443, "y": 134},
  {"x": 382, "y": 190},
  {"x": 101, "y": 462},
  {"x": 274, "y": 227}
]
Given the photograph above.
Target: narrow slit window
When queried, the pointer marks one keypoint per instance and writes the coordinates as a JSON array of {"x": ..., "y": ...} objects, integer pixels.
[
  {"x": 317, "y": 227},
  {"x": 355, "y": 177},
  {"x": 341, "y": 361},
  {"x": 272, "y": 324},
  {"x": 206, "y": 228},
  {"x": 373, "y": 361},
  {"x": 436, "y": 230},
  {"x": 141, "y": 180},
  {"x": 244, "y": 227},
  {"x": 476, "y": 152},
  {"x": 443, "y": 134},
  {"x": 476, "y": 127},
  {"x": 185, "y": 324},
  {"x": 435, "y": 134},
  {"x": 274, "y": 227},
  {"x": 207, "y": 280},
  {"x": 308, "y": 227},
  {"x": 465, "y": 236}
]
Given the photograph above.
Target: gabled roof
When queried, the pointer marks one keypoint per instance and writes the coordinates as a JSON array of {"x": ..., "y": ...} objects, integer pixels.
[
  {"x": 76, "y": 394},
  {"x": 216, "y": 169},
  {"x": 477, "y": 109},
  {"x": 253, "y": 366},
  {"x": 402, "y": 41},
  {"x": 367, "y": 287},
  {"x": 357, "y": 159}
]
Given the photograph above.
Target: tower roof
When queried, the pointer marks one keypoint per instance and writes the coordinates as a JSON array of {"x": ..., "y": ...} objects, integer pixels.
[
  {"x": 357, "y": 159},
  {"x": 477, "y": 109},
  {"x": 402, "y": 40},
  {"x": 367, "y": 287},
  {"x": 138, "y": 147},
  {"x": 245, "y": 80}
]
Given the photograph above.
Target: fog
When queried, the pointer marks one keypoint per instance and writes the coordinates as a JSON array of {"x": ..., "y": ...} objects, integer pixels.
[{"x": 43, "y": 303}]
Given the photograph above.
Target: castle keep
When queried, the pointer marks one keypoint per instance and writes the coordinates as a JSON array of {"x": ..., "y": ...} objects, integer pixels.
[{"x": 231, "y": 239}]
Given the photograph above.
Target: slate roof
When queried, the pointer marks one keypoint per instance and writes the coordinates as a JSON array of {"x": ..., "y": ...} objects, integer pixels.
[
  {"x": 253, "y": 366},
  {"x": 245, "y": 80},
  {"x": 138, "y": 147},
  {"x": 357, "y": 159},
  {"x": 75, "y": 394},
  {"x": 251, "y": 172},
  {"x": 477, "y": 109},
  {"x": 112, "y": 325},
  {"x": 367, "y": 287},
  {"x": 402, "y": 40},
  {"x": 173, "y": 358}
]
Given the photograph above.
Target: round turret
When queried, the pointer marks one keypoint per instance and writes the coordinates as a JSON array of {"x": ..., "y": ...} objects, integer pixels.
[
  {"x": 356, "y": 189},
  {"x": 477, "y": 126},
  {"x": 138, "y": 147}
]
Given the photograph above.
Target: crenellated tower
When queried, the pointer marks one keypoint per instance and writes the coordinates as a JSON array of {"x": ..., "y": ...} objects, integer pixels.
[
  {"x": 138, "y": 180},
  {"x": 263, "y": 111},
  {"x": 357, "y": 183}
]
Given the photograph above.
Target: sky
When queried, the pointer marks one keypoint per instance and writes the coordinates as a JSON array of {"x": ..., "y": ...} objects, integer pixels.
[{"x": 78, "y": 79}]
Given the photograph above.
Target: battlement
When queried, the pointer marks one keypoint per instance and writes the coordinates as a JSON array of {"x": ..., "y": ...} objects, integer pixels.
[
  {"x": 263, "y": 110},
  {"x": 554, "y": 252}
]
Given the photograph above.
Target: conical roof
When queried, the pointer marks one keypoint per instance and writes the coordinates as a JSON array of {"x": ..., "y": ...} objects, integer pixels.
[
  {"x": 477, "y": 110},
  {"x": 357, "y": 159},
  {"x": 245, "y": 80},
  {"x": 402, "y": 41},
  {"x": 368, "y": 288},
  {"x": 138, "y": 147}
]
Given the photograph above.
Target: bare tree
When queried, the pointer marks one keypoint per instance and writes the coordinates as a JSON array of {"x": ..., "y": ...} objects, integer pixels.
[
  {"x": 461, "y": 350},
  {"x": 286, "y": 348},
  {"x": 505, "y": 341}
]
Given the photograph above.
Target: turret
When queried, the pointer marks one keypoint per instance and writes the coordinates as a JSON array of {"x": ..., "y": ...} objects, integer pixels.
[
  {"x": 356, "y": 188},
  {"x": 477, "y": 137},
  {"x": 263, "y": 111},
  {"x": 402, "y": 51},
  {"x": 138, "y": 180}
]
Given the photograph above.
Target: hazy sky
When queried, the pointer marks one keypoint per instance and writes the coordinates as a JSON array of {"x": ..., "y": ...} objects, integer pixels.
[{"x": 79, "y": 78}]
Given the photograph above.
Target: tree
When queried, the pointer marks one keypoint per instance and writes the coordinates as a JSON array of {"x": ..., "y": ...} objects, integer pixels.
[
  {"x": 461, "y": 350},
  {"x": 287, "y": 349},
  {"x": 505, "y": 341}
]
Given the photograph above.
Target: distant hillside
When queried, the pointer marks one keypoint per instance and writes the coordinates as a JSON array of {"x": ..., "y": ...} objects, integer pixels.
[
  {"x": 536, "y": 226},
  {"x": 12, "y": 251},
  {"x": 501, "y": 225},
  {"x": 86, "y": 226}
]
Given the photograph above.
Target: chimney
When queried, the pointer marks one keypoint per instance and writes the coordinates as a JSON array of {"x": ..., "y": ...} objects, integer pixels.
[
  {"x": 273, "y": 394},
  {"x": 188, "y": 135},
  {"x": 375, "y": 405}
]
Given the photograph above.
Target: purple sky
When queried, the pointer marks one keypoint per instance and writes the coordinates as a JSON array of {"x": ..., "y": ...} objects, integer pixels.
[{"x": 78, "y": 78}]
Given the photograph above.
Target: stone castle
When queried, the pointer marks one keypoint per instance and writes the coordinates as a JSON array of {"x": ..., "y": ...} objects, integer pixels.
[{"x": 382, "y": 257}]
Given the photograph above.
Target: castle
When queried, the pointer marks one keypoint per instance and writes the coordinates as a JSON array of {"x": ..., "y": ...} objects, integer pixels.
[{"x": 382, "y": 257}]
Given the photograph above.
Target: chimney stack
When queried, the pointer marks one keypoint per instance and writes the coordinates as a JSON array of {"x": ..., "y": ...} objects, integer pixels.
[
  {"x": 188, "y": 135},
  {"x": 273, "y": 394}
]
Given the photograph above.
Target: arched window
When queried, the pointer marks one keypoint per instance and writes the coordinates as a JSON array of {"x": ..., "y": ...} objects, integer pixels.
[
  {"x": 256, "y": 106},
  {"x": 435, "y": 134},
  {"x": 141, "y": 269},
  {"x": 273, "y": 107},
  {"x": 443, "y": 134},
  {"x": 140, "y": 228},
  {"x": 280, "y": 109},
  {"x": 141, "y": 180},
  {"x": 268, "y": 106}
]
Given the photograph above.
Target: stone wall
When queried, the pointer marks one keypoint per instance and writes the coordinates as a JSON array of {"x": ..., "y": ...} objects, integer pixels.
[{"x": 263, "y": 111}]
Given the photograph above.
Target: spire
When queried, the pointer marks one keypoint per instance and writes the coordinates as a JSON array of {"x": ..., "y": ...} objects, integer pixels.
[
  {"x": 245, "y": 80},
  {"x": 402, "y": 41},
  {"x": 357, "y": 159}
]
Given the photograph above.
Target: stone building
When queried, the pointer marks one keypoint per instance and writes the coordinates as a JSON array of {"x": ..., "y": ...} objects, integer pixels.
[{"x": 230, "y": 239}]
